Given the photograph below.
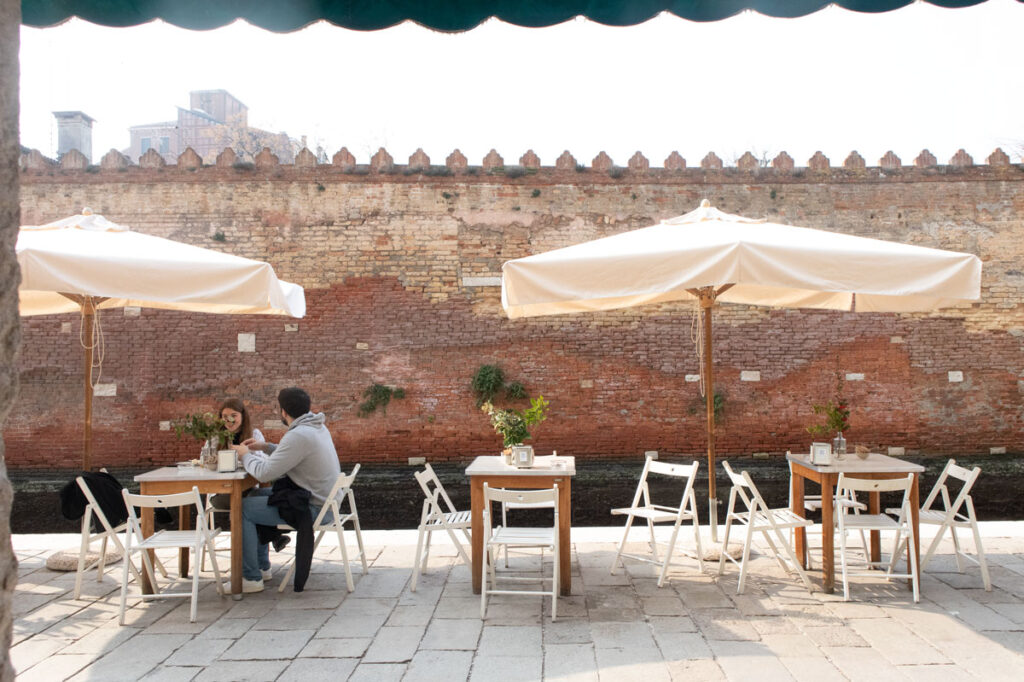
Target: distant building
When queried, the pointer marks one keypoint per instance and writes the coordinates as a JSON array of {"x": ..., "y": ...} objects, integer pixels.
[
  {"x": 74, "y": 131},
  {"x": 214, "y": 120}
]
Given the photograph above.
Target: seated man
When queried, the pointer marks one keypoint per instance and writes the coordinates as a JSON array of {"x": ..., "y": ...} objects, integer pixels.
[{"x": 306, "y": 455}]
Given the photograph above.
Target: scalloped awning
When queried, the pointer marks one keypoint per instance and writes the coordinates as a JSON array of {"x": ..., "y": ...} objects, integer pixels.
[{"x": 441, "y": 15}]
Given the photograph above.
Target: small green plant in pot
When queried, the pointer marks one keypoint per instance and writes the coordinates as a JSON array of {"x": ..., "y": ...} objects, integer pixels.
[{"x": 514, "y": 425}]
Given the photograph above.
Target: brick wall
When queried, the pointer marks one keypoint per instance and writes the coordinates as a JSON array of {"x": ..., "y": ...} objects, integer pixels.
[{"x": 396, "y": 260}]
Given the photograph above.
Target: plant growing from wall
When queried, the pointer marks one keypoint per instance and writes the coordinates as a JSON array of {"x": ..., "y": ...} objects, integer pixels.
[
  {"x": 487, "y": 381},
  {"x": 515, "y": 391},
  {"x": 379, "y": 395}
]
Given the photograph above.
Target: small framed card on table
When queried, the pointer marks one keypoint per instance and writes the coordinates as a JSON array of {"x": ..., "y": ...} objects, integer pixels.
[{"x": 821, "y": 453}]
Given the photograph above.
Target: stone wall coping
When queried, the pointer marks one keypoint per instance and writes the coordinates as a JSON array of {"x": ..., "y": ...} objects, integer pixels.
[{"x": 492, "y": 167}]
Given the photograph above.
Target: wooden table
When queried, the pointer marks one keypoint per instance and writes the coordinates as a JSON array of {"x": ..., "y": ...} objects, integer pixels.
[
  {"x": 875, "y": 466},
  {"x": 168, "y": 480},
  {"x": 494, "y": 472}
]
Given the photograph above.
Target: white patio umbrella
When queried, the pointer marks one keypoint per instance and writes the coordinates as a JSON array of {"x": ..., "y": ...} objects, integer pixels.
[
  {"x": 712, "y": 256},
  {"x": 86, "y": 263}
]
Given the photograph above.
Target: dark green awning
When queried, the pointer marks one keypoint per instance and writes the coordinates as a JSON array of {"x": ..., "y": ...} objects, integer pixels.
[{"x": 442, "y": 15}]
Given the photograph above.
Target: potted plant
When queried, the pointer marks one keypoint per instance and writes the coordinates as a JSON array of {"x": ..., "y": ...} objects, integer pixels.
[
  {"x": 514, "y": 425},
  {"x": 210, "y": 430},
  {"x": 837, "y": 418}
]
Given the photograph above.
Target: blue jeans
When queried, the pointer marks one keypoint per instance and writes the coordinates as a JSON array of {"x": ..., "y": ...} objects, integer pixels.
[{"x": 256, "y": 511}]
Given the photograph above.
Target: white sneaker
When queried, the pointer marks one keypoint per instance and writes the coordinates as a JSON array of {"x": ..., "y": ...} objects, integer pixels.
[
  {"x": 267, "y": 574},
  {"x": 248, "y": 586}
]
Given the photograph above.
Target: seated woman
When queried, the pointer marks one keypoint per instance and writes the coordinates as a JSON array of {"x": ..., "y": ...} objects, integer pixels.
[{"x": 235, "y": 414}]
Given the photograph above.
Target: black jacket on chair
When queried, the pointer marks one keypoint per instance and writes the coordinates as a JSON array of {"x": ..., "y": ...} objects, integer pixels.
[
  {"x": 107, "y": 491},
  {"x": 292, "y": 504}
]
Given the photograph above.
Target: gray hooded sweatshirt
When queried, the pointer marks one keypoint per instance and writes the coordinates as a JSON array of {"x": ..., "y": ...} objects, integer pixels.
[{"x": 306, "y": 454}]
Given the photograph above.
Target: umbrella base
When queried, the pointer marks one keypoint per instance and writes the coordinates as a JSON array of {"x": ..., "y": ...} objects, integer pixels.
[{"x": 713, "y": 551}]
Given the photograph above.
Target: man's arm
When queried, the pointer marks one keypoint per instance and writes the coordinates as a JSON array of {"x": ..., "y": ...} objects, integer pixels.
[{"x": 283, "y": 457}]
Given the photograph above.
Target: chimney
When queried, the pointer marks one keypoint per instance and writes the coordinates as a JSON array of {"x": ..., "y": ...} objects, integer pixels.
[{"x": 74, "y": 131}]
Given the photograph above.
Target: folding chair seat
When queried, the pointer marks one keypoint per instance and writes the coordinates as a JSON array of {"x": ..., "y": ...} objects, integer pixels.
[
  {"x": 519, "y": 538},
  {"x": 878, "y": 522},
  {"x": 438, "y": 513},
  {"x": 643, "y": 508},
  {"x": 165, "y": 539},
  {"x": 952, "y": 516},
  {"x": 330, "y": 518},
  {"x": 759, "y": 518}
]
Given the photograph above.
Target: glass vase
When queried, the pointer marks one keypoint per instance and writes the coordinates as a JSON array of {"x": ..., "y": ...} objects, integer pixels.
[
  {"x": 839, "y": 444},
  {"x": 209, "y": 454}
]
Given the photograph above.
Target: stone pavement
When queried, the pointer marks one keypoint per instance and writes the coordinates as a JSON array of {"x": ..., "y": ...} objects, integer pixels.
[{"x": 620, "y": 627}]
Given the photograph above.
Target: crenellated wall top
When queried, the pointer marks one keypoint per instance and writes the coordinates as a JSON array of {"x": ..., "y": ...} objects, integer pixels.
[{"x": 637, "y": 168}]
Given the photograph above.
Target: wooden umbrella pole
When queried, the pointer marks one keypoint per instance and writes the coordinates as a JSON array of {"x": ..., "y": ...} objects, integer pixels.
[
  {"x": 707, "y": 301},
  {"x": 88, "y": 321},
  {"x": 88, "y": 305},
  {"x": 707, "y": 297}
]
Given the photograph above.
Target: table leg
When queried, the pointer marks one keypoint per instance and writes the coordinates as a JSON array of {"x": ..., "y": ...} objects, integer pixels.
[
  {"x": 147, "y": 529},
  {"x": 236, "y": 539},
  {"x": 564, "y": 542},
  {"x": 184, "y": 523},
  {"x": 476, "y": 493},
  {"x": 875, "y": 507},
  {"x": 828, "y": 554},
  {"x": 797, "y": 507},
  {"x": 915, "y": 522}
]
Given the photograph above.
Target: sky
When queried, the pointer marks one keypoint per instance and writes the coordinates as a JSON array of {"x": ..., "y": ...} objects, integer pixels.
[{"x": 835, "y": 81}]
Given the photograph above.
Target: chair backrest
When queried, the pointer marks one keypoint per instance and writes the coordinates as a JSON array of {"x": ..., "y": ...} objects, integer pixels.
[
  {"x": 851, "y": 484},
  {"x": 343, "y": 482},
  {"x": 951, "y": 470},
  {"x": 192, "y": 497},
  {"x": 342, "y": 488},
  {"x": 94, "y": 505},
  {"x": 528, "y": 497},
  {"x": 743, "y": 487},
  {"x": 434, "y": 491},
  {"x": 652, "y": 466}
]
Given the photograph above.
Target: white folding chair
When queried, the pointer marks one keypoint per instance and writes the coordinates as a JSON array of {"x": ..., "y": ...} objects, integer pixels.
[
  {"x": 506, "y": 506},
  {"x": 518, "y": 537},
  {"x": 951, "y": 517},
  {"x": 331, "y": 518},
  {"x": 642, "y": 507},
  {"x": 812, "y": 503},
  {"x": 759, "y": 518},
  {"x": 164, "y": 539},
  {"x": 878, "y": 522},
  {"x": 107, "y": 533},
  {"x": 438, "y": 514}
]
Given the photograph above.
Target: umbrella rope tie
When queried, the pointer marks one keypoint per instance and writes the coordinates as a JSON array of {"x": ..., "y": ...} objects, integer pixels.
[
  {"x": 697, "y": 337},
  {"x": 96, "y": 343}
]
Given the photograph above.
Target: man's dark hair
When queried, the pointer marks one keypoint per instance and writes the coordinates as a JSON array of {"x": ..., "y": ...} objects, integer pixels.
[{"x": 294, "y": 401}]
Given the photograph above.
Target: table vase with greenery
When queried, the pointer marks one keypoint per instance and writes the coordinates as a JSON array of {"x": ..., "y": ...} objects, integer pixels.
[{"x": 210, "y": 430}]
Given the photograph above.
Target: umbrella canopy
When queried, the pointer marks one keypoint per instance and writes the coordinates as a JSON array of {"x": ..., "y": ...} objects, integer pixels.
[
  {"x": 713, "y": 256},
  {"x": 89, "y": 255},
  {"x": 766, "y": 264},
  {"x": 86, "y": 263}
]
